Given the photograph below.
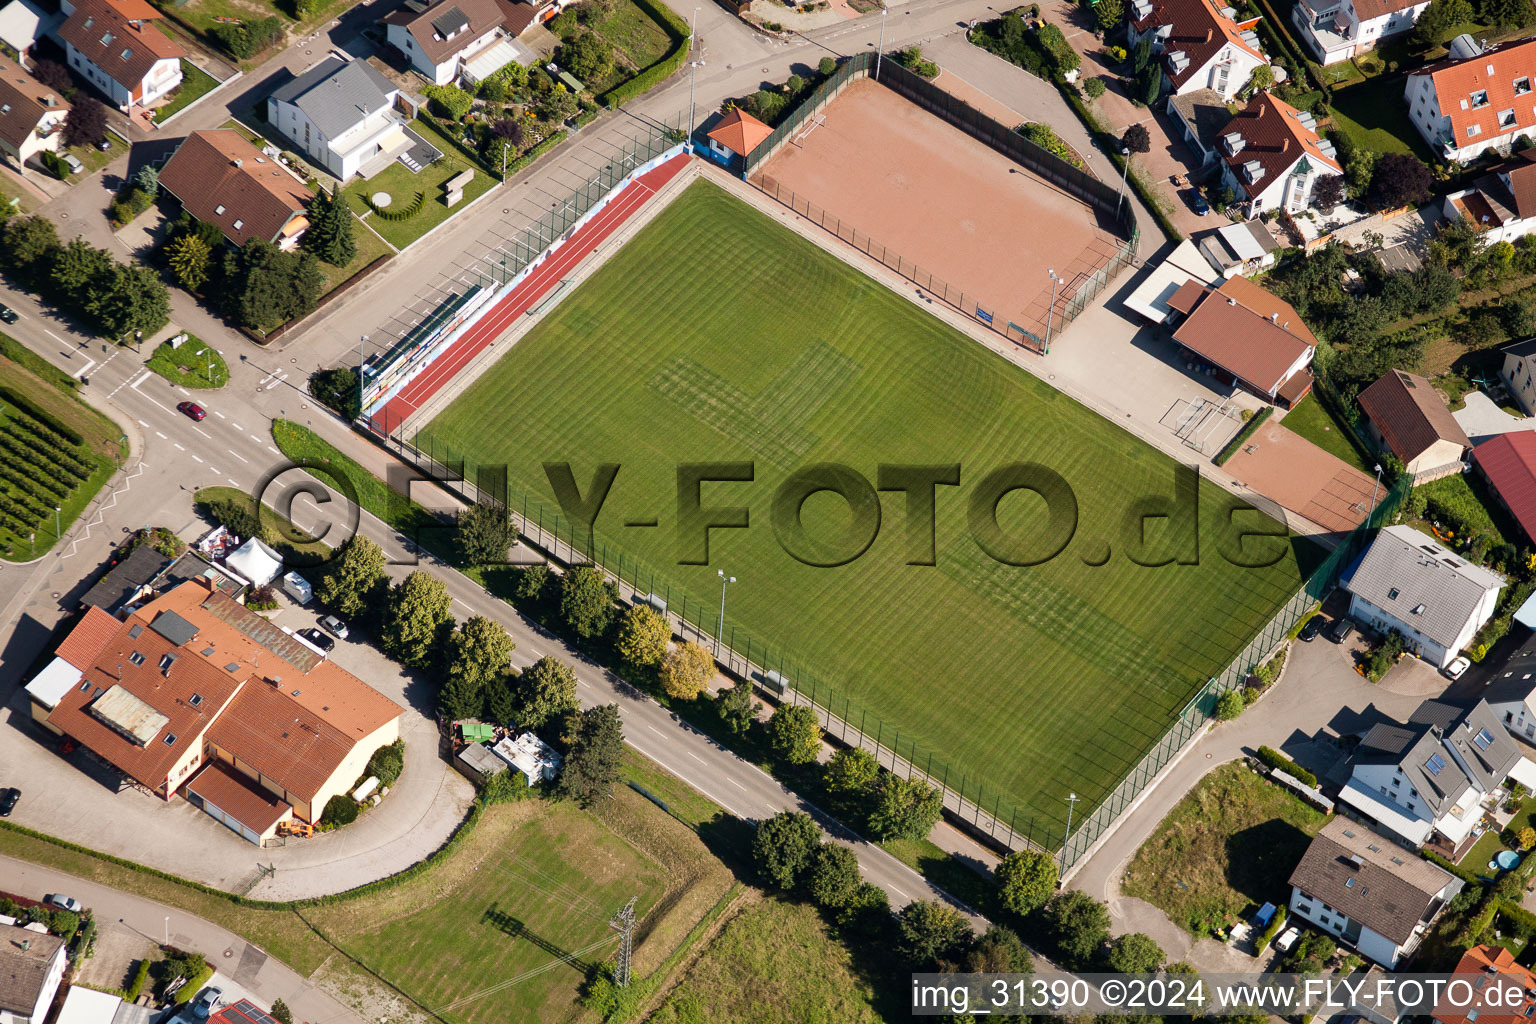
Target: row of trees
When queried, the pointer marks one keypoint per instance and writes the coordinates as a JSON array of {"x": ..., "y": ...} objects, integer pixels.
[{"x": 114, "y": 299}]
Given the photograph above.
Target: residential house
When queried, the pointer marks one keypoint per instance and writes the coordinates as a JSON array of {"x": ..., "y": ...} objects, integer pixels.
[
  {"x": 31, "y": 967},
  {"x": 31, "y": 115},
  {"x": 1202, "y": 44},
  {"x": 453, "y": 38},
  {"x": 224, "y": 180},
  {"x": 1336, "y": 30},
  {"x": 1508, "y": 463},
  {"x": 23, "y": 23},
  {"x": 126, "y": 581},
  {"x": 242, "y": 1011},
  {"x": 349, "y": 119},
  {"x": 1512, "y": 1001},
  {"x": 1273, "y": 156},
  {"x": 113, "y": 45},
  {"x": 1249, "y": 336},
  {"x": 1368, "y": 893},
  {"x": 1501, "y": 202},
  {"x": 1407, "y": 416},
  {"x": 1511, "y": 689},
  {"x": 1429, "y": 781},
  {"x": 1240, "y": 249},
  {"x": 1436, "y": 599},
  {"x": 735, "y": 135},
  {"x": 193, "y": 693},
  {"x": 1475, "y": 99},
  {"x": 1519, "y": 373}
]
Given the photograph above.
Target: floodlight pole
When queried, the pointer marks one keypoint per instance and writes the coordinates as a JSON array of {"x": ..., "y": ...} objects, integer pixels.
[
  {"x": 693, "y": 73},
  {"x": 361, "y": 361},
  {"x": 1072, "y": 799},
  {"x": 1049, "y": 310},
  {"x": 880, "y": 49},
  {"x": 720, "y": 626},
  {"x": 1373, "y": 495},
  {"x": 1125, "y": 170},
  {"x": 693, "y": 24}
]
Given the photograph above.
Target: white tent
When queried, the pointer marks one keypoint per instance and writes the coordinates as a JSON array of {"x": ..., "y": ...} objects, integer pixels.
[{"x": 256, "y": 562}]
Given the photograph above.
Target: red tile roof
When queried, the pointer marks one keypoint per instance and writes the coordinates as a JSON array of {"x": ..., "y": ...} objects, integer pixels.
[
  {"x": 1509, "y": 463},
  {"x": 1188, "y": 296},
  {"x": 1521, "y": 172},
  {"x": 1410, "y": 414},
  {"x": 1365, "y": 10},
  {"x": 740, "y": 132},
  {"x": 85, "y": 642},
  {"x": 1477, "y": 961},
  {"x": 121, "y": 42},
  {"x": 223, "y": 179},
  {"x": 1494, "y": 71},
  {"x": 23, "y": 102},
  {"x": 271, "y": 732},
  {"x": 1274, "y": 135},
  {"x": 1232, "y": 327},
  {"x": 1198, "y": 29},
  {"x": 479, "y": 15},
  {"x": 238, "y": 797}
]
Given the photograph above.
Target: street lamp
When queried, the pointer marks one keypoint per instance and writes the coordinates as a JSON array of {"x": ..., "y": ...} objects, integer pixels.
[
  {"x": 167, "y": 929},
  {"x": 880, "y": 50},
  {"x": 692, "y": 24},
  {"x": 720, "y": 626},
  {"x": 504, "y": 147},
  {"x": 56, "y": 510},
  {"x": 693, "y": 72},
  {"x": 1125, "y": 169},
  {"x": 1055, "y": 281},
  {"x": 1373, "y": 495},
  {"x": 361, "y": 361},
  {"x": 1072, "y": 799}
]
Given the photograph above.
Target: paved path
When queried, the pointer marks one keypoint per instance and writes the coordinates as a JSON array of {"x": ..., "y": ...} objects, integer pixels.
[{"x": 116, "y": 909}]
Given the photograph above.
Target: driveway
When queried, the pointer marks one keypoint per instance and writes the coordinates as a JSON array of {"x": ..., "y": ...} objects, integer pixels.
[{"x": 1481, "y": 418}]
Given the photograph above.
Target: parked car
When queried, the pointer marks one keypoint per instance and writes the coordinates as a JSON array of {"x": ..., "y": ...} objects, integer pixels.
[
  {"x": 1341, "y": 630},
  {"x": 192, "y": 409},
  {"x": 1198, "y": 204},
  {"x": 207, "y": 1002},
  {"x": 319, "y": 639},
  {"x": 54, "y": 899},
  {"x": 1313, "y": 627},
  {"x": 1454, "y": 670},
  {"x": 335, "y": 625},
  {"x": 73, "y": 163},
  {"x": 9, "y": 315},
  {"x": 8, "y": 798}
]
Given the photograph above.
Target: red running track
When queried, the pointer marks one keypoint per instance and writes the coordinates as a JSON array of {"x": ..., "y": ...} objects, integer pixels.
[{"x": 495, "y": 321}]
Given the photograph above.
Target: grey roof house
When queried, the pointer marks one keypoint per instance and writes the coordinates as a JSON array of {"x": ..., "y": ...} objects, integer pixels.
[
  {"x": 1428, "y": 781},
  {"x": 348, "y": 119},
  {"x": 1411, "y": 583},
  {"x": 126, "y": 580},
  {"x": 1377, "y": 897},
  {"x": 31, "y": 967}
]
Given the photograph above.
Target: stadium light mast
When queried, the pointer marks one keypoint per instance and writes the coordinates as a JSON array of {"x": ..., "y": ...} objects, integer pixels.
[
  {"x": 1125, "y": 169},
  {"x": 1049, "y": 310},
  {"x": 1373, "y": 495},
  {"x": 361, "y": 361},
  {"x": 1072, "y": 799},
  {"x": 720, "y": 626}
]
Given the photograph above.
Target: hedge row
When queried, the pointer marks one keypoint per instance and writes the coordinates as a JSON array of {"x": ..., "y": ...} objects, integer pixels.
[
  {"x": 38, "y": 413},
  {"x": 1275, "y": 759},
  {"x": 1460, "y": 872},
  {"x": 405, "y": 212},
  {"x": 16, "y": 352},
  {"x": 677, "y": 29},
  {"x": 537, "y": 151},
  {"x": 1516, "y": 920},
  {"x": 193, "y": 985},
  {"x": 1243, "y": 435}
]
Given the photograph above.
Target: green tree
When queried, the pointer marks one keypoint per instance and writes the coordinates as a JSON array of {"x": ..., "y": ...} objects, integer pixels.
[
  {"x": 930, "y": 934},
  {"x": 479, "y": 653},
  {"x": 589, "y": 57},
  {"x": 336, "y": 389},
  {"x": 129, "y": 298},
  {"x": 834, "y": 876},
  {"x": 737, "y": 707},
  {"x": 1507, "y": 13},
  {"x": 533, "y": 584},
  {"x": 266, "y": 287},
  {"x": 999, "y": 951},
  {"x": 1079, "y": 924},
  {"x": 827, "y": 66},
  {"x": 686, "y": 669},
  {"x": 1135, "y": 953},
  {"x": 794, "y": 733},
  {"x": 592, "y": 766},
  {"x": 30, "y": 243},
  {"x": 354, "y": 577},
  {"x": 1026, "y": 880},
  {"x": 189, "y": 261},
  {"x": 905, "y": 809},
  {"x": 281, "y": 1013},
  {"x": 78, "y": 267},
  {"x": 330, "y": 228},
  {"x": 784, "y": 847},
  {"x": 485, "y": 532},
  {"x": 644, "y": 634},
  {"x": 147, "y": 180},
  {"x": 850, "y": 777},
  {"x": 417, "y": 615},
  {"x": 545, "y": 691},
  {"x": 1229, "y": 705},
  {"x": 1152, "y": 85},
  {"x": 1437, "y": 17},
  {"x": 587, "y": 601},
  {"x": 1141, "y": 54},
  {"x": 499, "y": 701}
]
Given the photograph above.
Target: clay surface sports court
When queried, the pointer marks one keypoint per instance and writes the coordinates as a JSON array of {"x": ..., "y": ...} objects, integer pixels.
[{"x": 962, "y": 212}]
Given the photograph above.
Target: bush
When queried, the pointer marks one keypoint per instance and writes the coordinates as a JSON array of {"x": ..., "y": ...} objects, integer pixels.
[
  {"x": 1063, "y": 57},
  {"x": 827, "y": 67},
  {"x": 677, "y": 30},
  {"x": 1095, "y": 88},
  {"x": 387, "y": 762},
  {"x": 449, "y": 101},
  {"x": 136, "y": 986},
  {"x": 1229, "y": 705},
  {"x": 913, "y": 60},
  {"x": 1274, "y": 759},
  {"x": 1042, "y": 136},
  {"x": 340, "y": 810}
]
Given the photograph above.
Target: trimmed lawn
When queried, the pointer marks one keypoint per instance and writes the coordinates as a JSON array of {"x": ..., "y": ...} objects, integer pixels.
[
  {"x": 1026, "y": 683},
  {"x": 1227, "y": 847},
  {"x": 1311, "y": 419},
  {"x": 93, "y": 158},
  {"x": 205, "y": 368},
  {"x": 634, "y": 34},
  {"x": 195, "y": 84},
  {"x": 1372, "y": 114},
  {"x": 1469, "y": 494},
  {"x": 369, "y": 248},
  {"x": 295, "y": 545},
  {"x": 402, "y": 186},
  {"x": 1489, "y": 845}
]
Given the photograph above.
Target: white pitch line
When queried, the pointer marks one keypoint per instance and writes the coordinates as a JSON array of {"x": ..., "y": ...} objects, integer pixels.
[{"x": 237, "y": 455}]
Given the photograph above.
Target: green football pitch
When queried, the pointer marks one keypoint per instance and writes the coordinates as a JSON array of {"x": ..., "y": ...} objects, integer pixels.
[{"x": 717, "y": 335}]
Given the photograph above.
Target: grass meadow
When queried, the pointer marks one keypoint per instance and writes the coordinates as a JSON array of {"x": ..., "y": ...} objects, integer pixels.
[{"x": 717, "y": 335}]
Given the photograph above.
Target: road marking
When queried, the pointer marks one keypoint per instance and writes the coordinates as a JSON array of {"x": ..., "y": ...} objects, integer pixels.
[
  {"x": 194, "y": 458},
  {"x": 143, "y": 424},
  {"x": 735, "y": 783},
  {"x": 220, "y": 415},
  {"x": 55, "y": 337},
  {"x": 185, "y": 392},
  {"x": 898, "y": 892},
  {"x": 157, "y": 433},
  {"x": 139, "y": 380},
  {"x": 274, "y": 451},
  {"x": 231, "y": 480},
  {"x": 178, "y": 447},
  {"x": 237, "y": 455},
  {"x": 696, "y": 757},
  {"x": 654, "y": 729},
  {"x": 83, "y": 370},
  {"x": 205, "y": 433},
  {"x": 258, "y": 440},
  {"x": 216, "y": 469},
  {"x": 237, "y": 426}
]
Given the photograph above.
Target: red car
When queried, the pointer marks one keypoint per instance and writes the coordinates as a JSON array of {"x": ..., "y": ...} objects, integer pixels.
[{"x": 192, "y": 409}]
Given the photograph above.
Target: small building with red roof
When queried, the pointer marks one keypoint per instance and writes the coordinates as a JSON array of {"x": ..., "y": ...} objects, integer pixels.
[
  {"x": 1273, "y": 156},
  {"x": 1474, "y": 100},
  {"x": 115, "y": 45},
  {"x": 1408, "y": 416},
  {"x": 1501, "y": 203},
  {"x": 1247, "y": 336},
  {"x": 1508, "y": 463},
  {"x": 1202, "y": 44},
  {"x": 1486, "y": 970},
  {"x": 736, "y": 134}
]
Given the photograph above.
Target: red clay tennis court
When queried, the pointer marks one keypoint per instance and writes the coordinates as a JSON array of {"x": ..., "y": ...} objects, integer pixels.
[
  {"x": 499, "y": 318},
  {"x": 958, "y": 209}
]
